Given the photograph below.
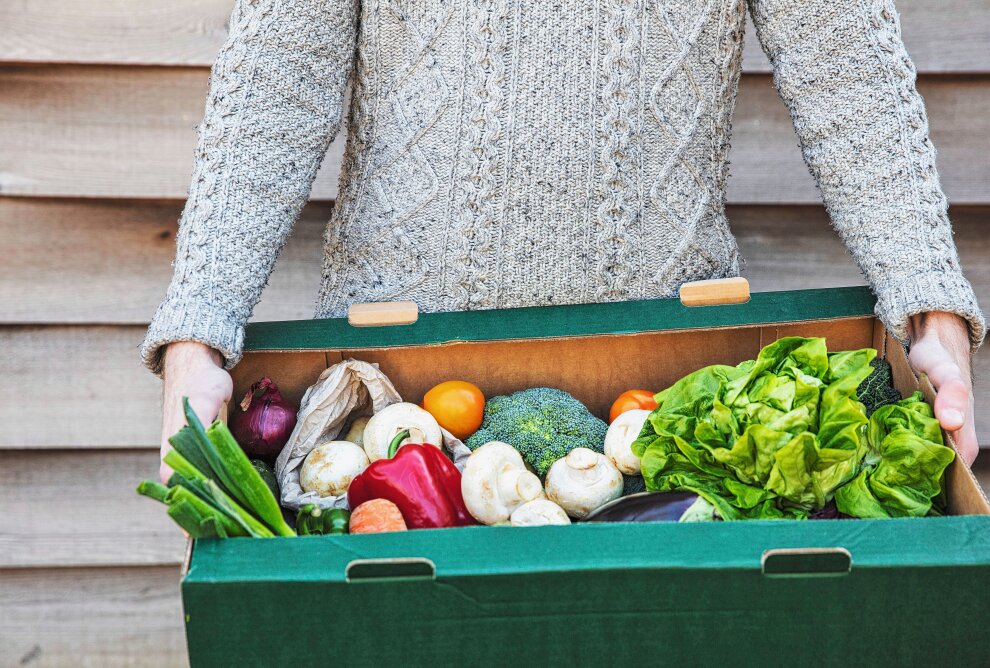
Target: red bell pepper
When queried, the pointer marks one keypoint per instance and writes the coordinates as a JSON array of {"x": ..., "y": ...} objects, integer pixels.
[{"x": 420, "y": 480}]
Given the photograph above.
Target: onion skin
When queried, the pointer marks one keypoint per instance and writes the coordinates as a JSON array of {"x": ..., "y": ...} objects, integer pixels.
[{"x": 264, "y": 421}]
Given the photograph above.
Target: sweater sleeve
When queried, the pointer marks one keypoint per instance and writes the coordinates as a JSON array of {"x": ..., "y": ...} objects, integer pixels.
[
  {"x": 842, "y": 69},
  {"x": 274, "y": 105}
]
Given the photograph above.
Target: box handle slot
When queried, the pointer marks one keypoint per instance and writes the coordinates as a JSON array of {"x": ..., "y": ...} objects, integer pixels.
[
  {"x": 376, "y": 570},
  {"x": 806, "y": 562},
  {"x": 715, "y": 292},
  {"x": 382, "y": 314}
]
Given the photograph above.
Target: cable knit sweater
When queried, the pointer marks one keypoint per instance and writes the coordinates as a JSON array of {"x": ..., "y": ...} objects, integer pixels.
[{"x": 530, "y": 152}]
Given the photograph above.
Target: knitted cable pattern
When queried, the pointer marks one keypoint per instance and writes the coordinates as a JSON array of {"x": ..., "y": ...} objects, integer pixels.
[
  {"x": 681, "y": 192},
  {"x": 357, "y": 160},
  {"x": 476, "y": 212},
  {"x": 229, "y": 84},
  {"x": 505, "y": 154},
  {"x": 619, "y": 130}
]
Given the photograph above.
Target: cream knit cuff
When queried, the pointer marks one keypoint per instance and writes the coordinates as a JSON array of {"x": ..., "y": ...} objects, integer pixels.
[
  {"x": 930, "y": 291},
  {"x": 191, "y": 320}
]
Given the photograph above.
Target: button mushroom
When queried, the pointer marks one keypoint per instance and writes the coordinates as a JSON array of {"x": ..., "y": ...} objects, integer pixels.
[
  {"x": 330, "y": 467},
  {"x": 537, "y": 513},
  {"x": 394, "y": 419},
  {"x": 583, "y": 481},
  {"x": 620, "y": 436},
  {"x": 496, "y": 482},
  {"x": 355, "y": 434}
]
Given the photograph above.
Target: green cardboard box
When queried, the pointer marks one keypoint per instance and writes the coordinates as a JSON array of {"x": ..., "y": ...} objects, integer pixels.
[{"x": 840, "y": 592}]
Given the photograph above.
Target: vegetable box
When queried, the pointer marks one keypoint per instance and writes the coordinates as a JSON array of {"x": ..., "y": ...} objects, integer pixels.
[{"x": 884, "y": 592}]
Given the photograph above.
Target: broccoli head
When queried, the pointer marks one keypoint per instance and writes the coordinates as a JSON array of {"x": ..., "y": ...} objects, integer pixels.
[
  {"x": 632, "y": 484},
  {"x": 878, "y": 388},
  {"x": 542, "y": 423}
]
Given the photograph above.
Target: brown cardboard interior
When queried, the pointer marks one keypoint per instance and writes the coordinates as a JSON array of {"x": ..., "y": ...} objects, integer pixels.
[{"x": 596, "y": 369}]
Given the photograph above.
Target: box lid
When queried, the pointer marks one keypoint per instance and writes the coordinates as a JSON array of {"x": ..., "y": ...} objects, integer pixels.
[{"x": 562, "y": 321}]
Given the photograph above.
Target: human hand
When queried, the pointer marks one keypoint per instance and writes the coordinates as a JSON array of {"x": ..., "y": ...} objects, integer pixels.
[
  {"x": 940, "y": 349},
  {"x": 196, "y": 371}
]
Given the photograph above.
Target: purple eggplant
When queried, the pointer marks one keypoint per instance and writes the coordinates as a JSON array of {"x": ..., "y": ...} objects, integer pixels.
[
  {"x": 829, "y": 512},
  {"x": 655, "y": 507}
]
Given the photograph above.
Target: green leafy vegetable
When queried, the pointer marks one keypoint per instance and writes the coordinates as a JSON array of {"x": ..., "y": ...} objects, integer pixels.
[
  {"x": 904, "y": 473},
  {"x": 770, "y": 438},
  {"x": 215, "y": 490},
  {"x": 878, "y": 388},
  {"x": 234, "y": 473}
]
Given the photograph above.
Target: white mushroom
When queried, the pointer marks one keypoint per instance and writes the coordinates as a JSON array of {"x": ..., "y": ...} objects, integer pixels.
[
  {"x": 394, "y": 419},
  {"x": 330, "y": 467},
  {"x": 537, "y": 513},
  {"x": 583, "y": 481},
  {"x": 495, "y": 482},
  {"x": 356, "y": 433},
  {"x": 620, "y": 435}
]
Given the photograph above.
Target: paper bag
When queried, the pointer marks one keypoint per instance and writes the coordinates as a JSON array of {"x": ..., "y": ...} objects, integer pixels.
[{"x": 343, "y": 392}]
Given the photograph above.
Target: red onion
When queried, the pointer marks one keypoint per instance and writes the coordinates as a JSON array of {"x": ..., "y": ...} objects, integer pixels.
[{"x": 264, "y": 422}]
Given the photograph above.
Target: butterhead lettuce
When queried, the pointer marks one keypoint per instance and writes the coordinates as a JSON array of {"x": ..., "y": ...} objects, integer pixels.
[
  {"x": 777, "y": 436},
  {"x": 902, "y": 474}
]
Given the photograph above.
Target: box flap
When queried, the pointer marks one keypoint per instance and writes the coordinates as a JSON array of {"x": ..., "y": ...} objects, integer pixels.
[
  {"x": 592, "y": 547},
  {"x": 561, "y": 321}
]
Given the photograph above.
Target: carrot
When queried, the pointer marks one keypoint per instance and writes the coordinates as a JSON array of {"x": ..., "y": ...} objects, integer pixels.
[{"x": 377, "y": 516}]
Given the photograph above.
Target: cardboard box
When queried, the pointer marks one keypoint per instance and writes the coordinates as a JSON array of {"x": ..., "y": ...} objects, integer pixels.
[{"x": 846, "y": 592}]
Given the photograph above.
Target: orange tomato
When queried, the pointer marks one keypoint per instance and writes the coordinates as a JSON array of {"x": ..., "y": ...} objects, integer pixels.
[
  {"x": 457, "y": 405},
  {"x": 631, "y": 400}
]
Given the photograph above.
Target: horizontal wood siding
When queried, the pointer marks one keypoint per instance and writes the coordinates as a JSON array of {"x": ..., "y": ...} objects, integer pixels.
[
  {"x": 102, "y": 131},
  {"x": 91, "y": 618},
  {"x": 942, "y": 35},
  {"x": 79, "y": 508},
  {"x": 110, "y": 261},
  {"x": 99, "y": 101},
  {"x": 78, "y": 387},
  {"x": 128, "y": 132}
]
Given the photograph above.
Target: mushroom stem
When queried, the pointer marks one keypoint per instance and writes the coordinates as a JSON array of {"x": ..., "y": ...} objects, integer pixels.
[
  {"x": 518, "y": 486},
  {"x": 393, "y": 446}
]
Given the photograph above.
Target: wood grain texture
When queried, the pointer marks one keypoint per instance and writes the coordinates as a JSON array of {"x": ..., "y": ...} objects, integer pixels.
[
  {"x": 951, "y": 38},
  {"x": 144, "y": 32},
  {"x": 79, "y": 508},
  {"x": 127, "y": 132},
  {"x": 91, "y": 618},
  {"x": 77, "y": 387},
  {"x": 941, "y": 36},
  {"x": 100, "y": 131},
  {"x": 106, "y": 261}
]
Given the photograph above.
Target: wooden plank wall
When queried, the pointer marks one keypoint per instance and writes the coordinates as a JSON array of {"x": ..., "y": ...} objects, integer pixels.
[{"x": 98, "y": 101}]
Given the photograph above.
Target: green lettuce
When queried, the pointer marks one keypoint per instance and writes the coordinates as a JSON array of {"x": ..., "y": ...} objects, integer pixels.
[
  {"x": 777, "y": 436},
  {"x": 903, "y": 473}
]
